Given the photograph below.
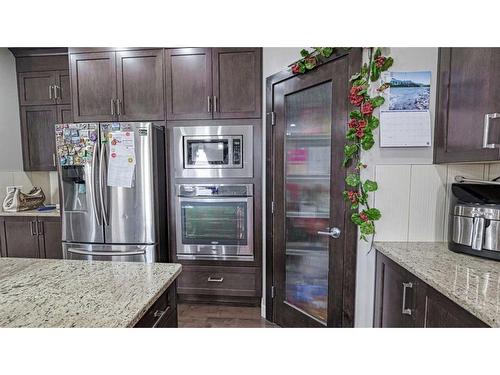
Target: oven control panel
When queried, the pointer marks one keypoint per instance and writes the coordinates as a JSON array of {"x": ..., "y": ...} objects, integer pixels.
[{"x": 214, "y": 190}]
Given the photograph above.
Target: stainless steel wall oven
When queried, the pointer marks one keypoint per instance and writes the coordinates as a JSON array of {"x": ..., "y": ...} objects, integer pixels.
[{"x": 214, "y": 221}]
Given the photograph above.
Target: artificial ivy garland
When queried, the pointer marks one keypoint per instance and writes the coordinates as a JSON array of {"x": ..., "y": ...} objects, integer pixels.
[{"x": 361, "y": 124}]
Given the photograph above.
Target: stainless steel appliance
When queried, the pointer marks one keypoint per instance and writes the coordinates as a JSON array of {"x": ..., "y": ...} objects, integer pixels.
[
  {"x": 213, "y": 151},
  {"x": 214, "y": 221},
  {"x": 110, "y": 220},
  {"x": 474, "y": 225}
]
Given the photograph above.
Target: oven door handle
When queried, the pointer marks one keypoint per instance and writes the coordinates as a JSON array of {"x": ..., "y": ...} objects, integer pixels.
[{"x": 106, "y": 253}]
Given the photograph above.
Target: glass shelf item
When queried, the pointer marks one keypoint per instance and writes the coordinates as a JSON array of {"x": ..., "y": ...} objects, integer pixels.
[{"x": 307, "y": 199}]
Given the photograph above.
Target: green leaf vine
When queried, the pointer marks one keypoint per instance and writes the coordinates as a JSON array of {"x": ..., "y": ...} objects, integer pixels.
[{"x": 365, "y": 96}]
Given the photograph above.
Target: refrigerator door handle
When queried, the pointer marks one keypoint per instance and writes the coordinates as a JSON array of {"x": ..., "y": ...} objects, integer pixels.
[
  {"x": 93, "y": 193},
  {"x": 106, "y": 253},
  {"x": 102, "y": 186}
]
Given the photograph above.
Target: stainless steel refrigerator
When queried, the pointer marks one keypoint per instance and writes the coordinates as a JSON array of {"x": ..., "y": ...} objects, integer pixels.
[{"x": 112, "y": 181}]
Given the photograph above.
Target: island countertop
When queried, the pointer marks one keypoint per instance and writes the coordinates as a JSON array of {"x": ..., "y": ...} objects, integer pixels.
[
  {"x": 79, "y": 293},
  {"x": 471, "y": 282}
]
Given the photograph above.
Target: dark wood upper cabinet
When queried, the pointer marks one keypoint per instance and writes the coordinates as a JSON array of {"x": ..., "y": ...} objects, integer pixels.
[
  {"x": 36, "y": 88},
  {"x": 468, "y": 90},
  {"x": 49, "y": 231},
  {"x": 37, "y": 131},
  {"x": 117, "y": 86},
  {"x": 237, "y": 81},
  {"x": 189, "y": 83},
  {"x": 17, "y": 235},
  {"x": 64, "y": 114},
  {"x": 140, "y": 85},
  {"x": 93, "y": 86},
  {"x": 62, "y": 83}
]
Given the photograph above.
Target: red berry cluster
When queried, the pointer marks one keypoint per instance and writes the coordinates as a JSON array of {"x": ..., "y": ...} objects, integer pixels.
[
  {"x": 363, "y": 216},
  {"x": 367, "y": 109},
  {"x": 354, "y": 96},
  {"x": 353, "y": 196},
  {"x": 359, "y": 125},
  {"x": 379, "y": 61}
]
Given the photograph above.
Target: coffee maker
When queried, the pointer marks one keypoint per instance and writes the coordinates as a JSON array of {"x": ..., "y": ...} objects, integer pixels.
[{"x": 474, "y": 225}]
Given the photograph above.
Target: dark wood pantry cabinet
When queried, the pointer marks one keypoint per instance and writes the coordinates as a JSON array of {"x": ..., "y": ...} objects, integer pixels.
[
  {"x": 30, "y": 237},
  {"x": 402, "y": 300},
  {"x": 44, "y": 98},
  {"x": 213, "y": 83},
  {"x": 117, "y": 85},
  {"x": 468, "y": 105}
]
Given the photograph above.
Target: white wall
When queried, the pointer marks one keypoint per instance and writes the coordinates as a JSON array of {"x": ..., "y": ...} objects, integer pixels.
[{"x": 10, "y": 134}]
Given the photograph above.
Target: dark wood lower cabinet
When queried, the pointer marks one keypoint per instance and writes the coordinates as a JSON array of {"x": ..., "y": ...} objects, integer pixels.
[
  {"x": 220, "y": 281},
  {"x": 49, "y": 236},
  {"x": 404, "y": 301},
  {"x": 163, "y": 313},
  {"x": 30, "y": 237}
]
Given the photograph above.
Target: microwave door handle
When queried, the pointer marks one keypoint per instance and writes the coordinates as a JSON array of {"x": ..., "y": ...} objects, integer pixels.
[{"x": 102, "y": 187}]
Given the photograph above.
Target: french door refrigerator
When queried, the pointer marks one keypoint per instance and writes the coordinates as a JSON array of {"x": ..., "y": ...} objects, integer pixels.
[{"x": 112, "y": 181}]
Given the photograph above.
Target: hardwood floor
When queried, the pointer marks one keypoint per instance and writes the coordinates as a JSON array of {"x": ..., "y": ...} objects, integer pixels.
[{"x": 192, "y": 315}]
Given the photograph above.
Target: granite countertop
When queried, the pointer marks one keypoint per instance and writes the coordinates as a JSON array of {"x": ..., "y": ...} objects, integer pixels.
[
  {"x": 79, "y": 293},
  {"x": 471, "y": 282},
  {"x": 53, "y": 213}
]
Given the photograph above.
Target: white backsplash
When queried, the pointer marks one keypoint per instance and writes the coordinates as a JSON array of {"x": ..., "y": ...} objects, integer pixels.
[
  {"x": 27, "y": 180},
  {"x": 414, "y": 199}
]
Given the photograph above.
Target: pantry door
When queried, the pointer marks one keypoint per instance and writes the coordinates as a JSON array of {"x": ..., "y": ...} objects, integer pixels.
[{"x": 312, "y": 280}]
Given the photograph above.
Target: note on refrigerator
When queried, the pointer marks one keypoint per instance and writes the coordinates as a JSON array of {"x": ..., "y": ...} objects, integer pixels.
[
  {"x": 405, "y": 129},
  {"x": 121, "y": 162}
]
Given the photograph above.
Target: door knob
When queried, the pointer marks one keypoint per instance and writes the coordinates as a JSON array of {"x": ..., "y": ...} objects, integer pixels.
[{"x": 332, "y": 232}]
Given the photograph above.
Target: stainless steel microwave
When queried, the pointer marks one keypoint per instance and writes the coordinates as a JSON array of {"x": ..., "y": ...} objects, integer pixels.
[{"x": 213, "y": 151}]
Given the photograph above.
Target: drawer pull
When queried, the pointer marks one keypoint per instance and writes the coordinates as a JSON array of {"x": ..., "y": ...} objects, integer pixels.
[
  {"x": 215, "y": 279},
  {"x": 158, "y": 313},
  {"x": 404, "y": 309}
]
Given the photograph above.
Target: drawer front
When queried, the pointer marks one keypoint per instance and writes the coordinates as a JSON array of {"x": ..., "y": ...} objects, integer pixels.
[
  {"x": 160, "y": 311},
  {"x": 226, "y": 281}
]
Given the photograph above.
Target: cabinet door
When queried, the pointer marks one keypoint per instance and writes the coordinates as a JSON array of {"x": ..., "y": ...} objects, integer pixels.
[
  {"x": 38, "y": 139},
  {"x": 140, "y": 85},
  {"x": 18, "y": 237},
  {"x": 189, "y": 83},
  {"x": 93, "y": 86},
  {"x": 50, "y": 235},
  {"x": 64, "y": 114},
  {"x": 237, "y": 76},
  {"x": 441, "y": 312},
  {"x": 63, "y": 93},
  {"x": 468, "y": 89},
  {"x": 35, "y": 88},
  {"x": 395, "y": 296}
]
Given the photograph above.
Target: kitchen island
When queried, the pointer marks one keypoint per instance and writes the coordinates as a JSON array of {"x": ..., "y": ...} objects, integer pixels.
[
  {"x": 75, "y": 293},
  {"x": 470, "y": 282}
]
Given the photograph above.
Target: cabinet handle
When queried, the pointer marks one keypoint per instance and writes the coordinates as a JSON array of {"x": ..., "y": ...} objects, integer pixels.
[
  {"x": 33, "y": 228},
  {"x": 209, "y": 104},
  {"x": 112, "y": 107},
  {"x": 54, "y": 160},
  {"x": 50, "y": 92},
  {"x": 40, "y": 228},
  {"x": 486, "y": 130},
  {"x": 215, "y": 279},
  {"x": 119, "y": 107},
  {"x": 215, "y": 103},
  {"x": 404, "y": 309}
]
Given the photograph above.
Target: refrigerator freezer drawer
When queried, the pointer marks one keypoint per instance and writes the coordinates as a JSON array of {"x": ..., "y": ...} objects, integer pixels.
[{"x": 115, "y": 253}]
